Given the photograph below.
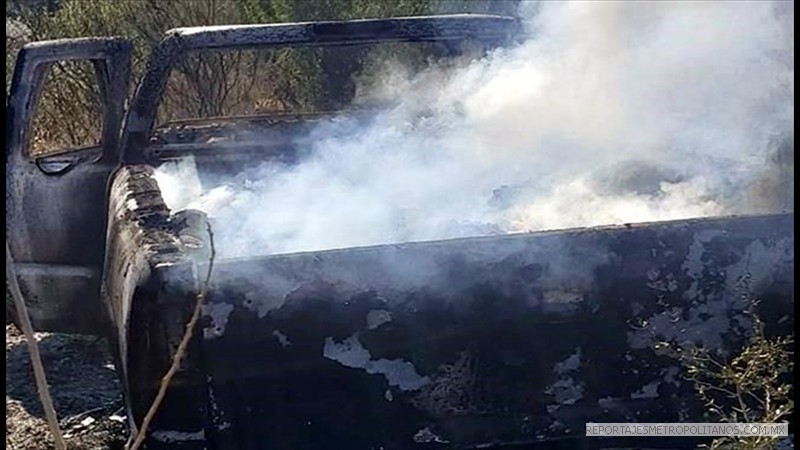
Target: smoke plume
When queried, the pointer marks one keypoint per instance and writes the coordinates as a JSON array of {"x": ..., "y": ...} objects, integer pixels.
[{"x": 610, "y": 112}]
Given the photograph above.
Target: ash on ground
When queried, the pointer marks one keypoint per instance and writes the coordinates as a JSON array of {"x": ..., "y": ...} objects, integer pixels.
[{"x": 84, "y": 387}]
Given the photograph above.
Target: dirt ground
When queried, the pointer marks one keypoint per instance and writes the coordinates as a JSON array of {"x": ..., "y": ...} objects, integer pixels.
[{"x": 84, "y": 388}]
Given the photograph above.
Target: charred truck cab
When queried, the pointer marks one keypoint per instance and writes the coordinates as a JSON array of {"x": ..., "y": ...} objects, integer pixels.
[{"x": 490, "y": 343}]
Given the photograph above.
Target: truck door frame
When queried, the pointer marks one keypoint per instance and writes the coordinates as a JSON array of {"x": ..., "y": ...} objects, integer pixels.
[{"x": 56, "y": 205}]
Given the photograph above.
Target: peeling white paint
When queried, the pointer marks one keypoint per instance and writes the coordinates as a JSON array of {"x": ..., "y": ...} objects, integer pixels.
[
  {"x": 282, "y": 338},
  {"x": 219, "y": 314},
  {"x": 398, "y": 373},
  {"x": 649, "y": 390},
  {"x": 706, "y": 324},
  {"x": 561, "y": 300},
  {"x": 350, "y": 353},
  {"x": 693, "y": 264},
  {"x": 425, "y": 436},
  {"x": 131, "y": 204},
  {"x": 710, "y": 319},
  {"x": 378, "y": 317},
  {"x": 759, "y": 263},
  {"x": 261, "y": 303},
  {"x": 570, "y": 364},
  {"x": 170, "y": 436},
  {"x": 608, "y": 403},
  {"x": 565, "y": 390},
  {"x": 671, "y": 375}
]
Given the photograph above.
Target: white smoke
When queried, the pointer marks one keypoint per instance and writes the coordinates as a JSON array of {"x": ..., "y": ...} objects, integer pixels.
[{"x": 611, "y": 112}]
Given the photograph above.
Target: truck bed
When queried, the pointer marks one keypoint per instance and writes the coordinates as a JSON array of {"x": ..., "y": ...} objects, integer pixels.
[{"x": 505, "y": 340}]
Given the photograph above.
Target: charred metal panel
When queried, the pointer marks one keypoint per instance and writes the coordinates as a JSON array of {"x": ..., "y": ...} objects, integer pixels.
[
  {"x": 496, "y": 30},
  {"x": 487, "y": 341},
  {"x": 140, "y": 238},
  {"x": 55, "y": 219},
  {"x": 327, "y": 33}
]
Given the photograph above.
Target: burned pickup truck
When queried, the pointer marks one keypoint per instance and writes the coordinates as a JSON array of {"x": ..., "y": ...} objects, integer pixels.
[{"x": 497, "y": 341}]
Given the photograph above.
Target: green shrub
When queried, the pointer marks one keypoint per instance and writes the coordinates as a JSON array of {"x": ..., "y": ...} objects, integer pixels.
[{"x": 754, "y": 386}]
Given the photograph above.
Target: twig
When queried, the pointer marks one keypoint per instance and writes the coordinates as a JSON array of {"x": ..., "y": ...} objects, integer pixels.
[
  {"x": 33, "y": 348},
  {"x": 179, "y": 353}
]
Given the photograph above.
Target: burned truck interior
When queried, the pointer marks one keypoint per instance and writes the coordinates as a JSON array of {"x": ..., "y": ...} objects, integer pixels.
[{"x": 512, "y": 340}]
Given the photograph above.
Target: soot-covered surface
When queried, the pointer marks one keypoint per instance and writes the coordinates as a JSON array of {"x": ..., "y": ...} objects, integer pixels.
[{"x": 504, "y": 340}]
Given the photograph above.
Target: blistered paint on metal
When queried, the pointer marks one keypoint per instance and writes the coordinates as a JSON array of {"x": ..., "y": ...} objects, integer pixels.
[
  {"x": 480, "y": 329},
  {"x": 282, "y": 338},
  {"x": 217, "y": 415},
  {"x": 650, "y": 390},
  {"x": 425, "y": 436},
  {"x": 565, "y": 390},
  {"x": 759, "y": 262},
  {"x": 172, "y": 437},
  {"x": 218, "y": 314},
  {"x": 350, "y": 353},
  {"x": 712, "y": 313},
  {"x": 570, "y": 364},
  {"x": 561, "y": 301},
  {"x": 378, "y": 317},
  {"x": 262, "y": 304}
]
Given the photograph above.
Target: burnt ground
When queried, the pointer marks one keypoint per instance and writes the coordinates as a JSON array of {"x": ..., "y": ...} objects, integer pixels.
[{"x": 83, "y": 385}]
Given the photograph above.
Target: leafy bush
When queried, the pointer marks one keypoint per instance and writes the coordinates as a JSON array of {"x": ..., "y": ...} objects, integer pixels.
[{"x": 753, "y": 386}]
